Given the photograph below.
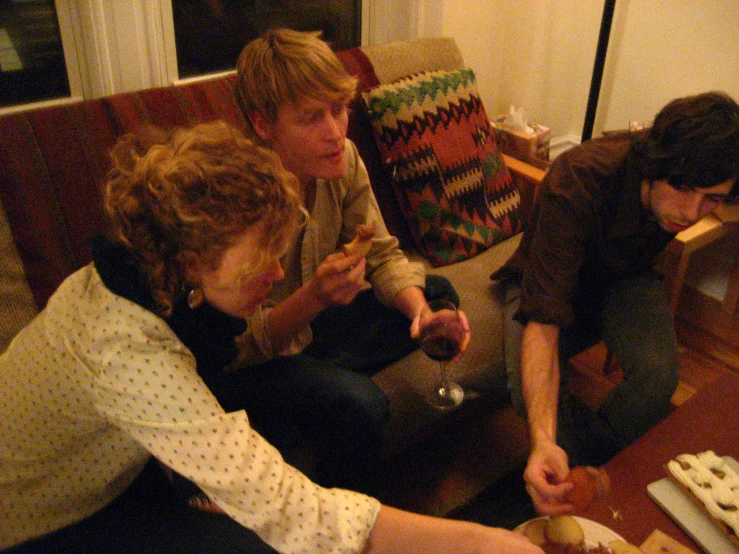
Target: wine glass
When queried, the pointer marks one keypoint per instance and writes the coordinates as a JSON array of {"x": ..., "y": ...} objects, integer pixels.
[{"x": 441, "y": 335}]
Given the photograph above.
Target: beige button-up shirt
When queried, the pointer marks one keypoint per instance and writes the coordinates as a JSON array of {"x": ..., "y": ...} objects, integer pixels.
[{"x": 340, "y": 205}]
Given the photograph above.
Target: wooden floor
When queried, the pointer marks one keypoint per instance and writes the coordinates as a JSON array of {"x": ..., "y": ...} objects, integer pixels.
[{"x": 468, "y": 454}]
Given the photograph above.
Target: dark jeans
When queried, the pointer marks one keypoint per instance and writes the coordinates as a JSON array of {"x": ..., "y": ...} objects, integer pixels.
[
  {"x": 148, "y": 518},
  {"x": 635, "y": 322},
  {"x": 325, "y": 395}
]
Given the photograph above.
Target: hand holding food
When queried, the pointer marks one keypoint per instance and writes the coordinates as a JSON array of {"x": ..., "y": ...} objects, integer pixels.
[{"x": 362, "y": 242}]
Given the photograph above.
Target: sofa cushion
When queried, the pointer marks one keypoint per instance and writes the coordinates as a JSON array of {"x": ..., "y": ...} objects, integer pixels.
[
  {"x": 17, "y": 306},
  {"x": 447, "y": 171}
]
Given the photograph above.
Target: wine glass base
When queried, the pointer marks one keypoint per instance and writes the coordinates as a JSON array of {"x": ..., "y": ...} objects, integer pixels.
[{"x": 447, "y": 398}]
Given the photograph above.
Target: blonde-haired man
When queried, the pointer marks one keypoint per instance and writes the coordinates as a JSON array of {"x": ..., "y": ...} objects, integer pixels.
[{"x": 324, "y": 332}]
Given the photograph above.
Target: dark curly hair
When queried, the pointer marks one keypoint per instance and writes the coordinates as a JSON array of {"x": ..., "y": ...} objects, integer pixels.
[
  {"x": 194, "y": 190},
  {"x": 693, "y": 142}
]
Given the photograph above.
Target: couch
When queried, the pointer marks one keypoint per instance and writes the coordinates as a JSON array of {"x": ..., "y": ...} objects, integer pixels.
[{"x": 53, "y": 159}]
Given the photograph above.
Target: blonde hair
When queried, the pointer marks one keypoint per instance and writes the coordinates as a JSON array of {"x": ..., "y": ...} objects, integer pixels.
[
  {"x": 195, "y": 190},
  {"x": 283, "y": 66}
]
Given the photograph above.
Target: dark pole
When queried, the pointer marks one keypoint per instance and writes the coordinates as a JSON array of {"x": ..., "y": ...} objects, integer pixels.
[{"x": 600, "y": 62}]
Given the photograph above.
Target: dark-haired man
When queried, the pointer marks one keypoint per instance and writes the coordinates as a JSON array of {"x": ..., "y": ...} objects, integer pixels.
[{"x": 583, "y": 271}]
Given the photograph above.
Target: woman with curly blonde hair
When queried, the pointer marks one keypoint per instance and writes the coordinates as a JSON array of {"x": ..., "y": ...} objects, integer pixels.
[{"x": 110, "y": 375}]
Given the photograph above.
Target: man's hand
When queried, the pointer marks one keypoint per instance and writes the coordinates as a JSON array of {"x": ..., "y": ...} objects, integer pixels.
[
  {"x": 466, "y": 338},
  {"x": 545, "y": 476},
  {"x": 338, "y": 279}
]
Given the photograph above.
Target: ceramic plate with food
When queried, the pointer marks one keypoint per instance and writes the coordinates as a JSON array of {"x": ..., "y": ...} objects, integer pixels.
[{"x": 591, "y": 534}]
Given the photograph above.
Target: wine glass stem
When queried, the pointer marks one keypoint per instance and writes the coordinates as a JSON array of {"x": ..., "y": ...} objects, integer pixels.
[{"x": 444, "y": 380}]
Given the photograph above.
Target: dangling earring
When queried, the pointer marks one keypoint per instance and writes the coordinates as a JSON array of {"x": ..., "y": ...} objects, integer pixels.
[{"x": 195, "y": 297}]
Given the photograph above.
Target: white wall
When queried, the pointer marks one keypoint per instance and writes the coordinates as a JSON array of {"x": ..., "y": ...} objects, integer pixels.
[
  {"x": 539, "y": 54},
  {"x": 533, "y": 53},
  {"x": 663, "y": 49},
  {"x": 478, "y": 29}
]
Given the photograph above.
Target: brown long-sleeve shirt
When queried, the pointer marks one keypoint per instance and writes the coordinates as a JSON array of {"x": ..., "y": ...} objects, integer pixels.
[{"x": 588, "y": 229}]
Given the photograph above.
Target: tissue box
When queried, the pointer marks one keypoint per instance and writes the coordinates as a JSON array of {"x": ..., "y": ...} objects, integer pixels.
[{"x": 530, "y": 147}]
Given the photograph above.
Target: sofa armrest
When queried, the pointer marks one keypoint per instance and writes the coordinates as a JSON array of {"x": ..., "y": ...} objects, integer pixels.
[{"x": 528, "y": 178}]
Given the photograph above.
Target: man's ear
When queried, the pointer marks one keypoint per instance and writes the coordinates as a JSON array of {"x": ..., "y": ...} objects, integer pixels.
[{"x": 262, "y": 128}]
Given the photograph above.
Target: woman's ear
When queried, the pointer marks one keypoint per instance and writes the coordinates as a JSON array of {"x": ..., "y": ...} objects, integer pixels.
[
  {"x": 262, "y": 128},
  {"x": 190, "y": 266}
]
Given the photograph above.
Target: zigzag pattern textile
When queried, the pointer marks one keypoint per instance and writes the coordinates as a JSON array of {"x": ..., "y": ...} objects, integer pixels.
[{"x": 448, "y": 174}]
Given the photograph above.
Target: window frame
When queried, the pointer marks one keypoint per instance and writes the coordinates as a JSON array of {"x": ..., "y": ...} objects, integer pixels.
[
  {"x": 69, "y": 31},
  {"x": 126, "y": 45}
]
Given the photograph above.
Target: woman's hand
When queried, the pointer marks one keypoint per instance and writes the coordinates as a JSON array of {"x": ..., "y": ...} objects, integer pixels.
[{"x": 466, "y": 338}]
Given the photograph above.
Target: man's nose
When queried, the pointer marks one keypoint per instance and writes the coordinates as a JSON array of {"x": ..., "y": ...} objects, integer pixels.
[
  {"x": 332, "y": 127},
  {"x": 695, "y": 207},
  {"x": 276, "y": 272}
]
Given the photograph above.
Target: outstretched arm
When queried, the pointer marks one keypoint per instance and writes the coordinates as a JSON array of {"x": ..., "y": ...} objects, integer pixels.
[
  {"x": 540, "y": 380},
  {"x": 399, "y": 531}
]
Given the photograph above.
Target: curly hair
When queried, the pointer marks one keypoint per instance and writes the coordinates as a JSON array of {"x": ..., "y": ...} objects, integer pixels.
[
  {"x": 693, "y": 142},
  {"x": 194, "y": 190},
  {"x": 283, "y": 66}
]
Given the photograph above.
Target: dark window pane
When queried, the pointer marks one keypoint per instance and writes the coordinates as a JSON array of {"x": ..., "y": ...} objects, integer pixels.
[
  {"x": 209, "y": 34},
  {"x": 32, "y": 66}
]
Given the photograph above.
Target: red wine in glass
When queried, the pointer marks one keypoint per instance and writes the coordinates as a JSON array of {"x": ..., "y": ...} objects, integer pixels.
[
  {"x": 441, "y": 335},
  {"x": 440, "y": 346}
]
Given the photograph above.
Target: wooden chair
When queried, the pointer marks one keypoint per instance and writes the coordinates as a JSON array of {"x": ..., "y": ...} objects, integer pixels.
[{"x": 676, "y": 257}]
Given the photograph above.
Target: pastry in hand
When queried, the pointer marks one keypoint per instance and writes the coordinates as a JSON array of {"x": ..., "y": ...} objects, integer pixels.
[{"x": 362, "y": 242}]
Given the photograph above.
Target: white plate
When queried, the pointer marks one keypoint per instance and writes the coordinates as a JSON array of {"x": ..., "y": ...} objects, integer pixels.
[{"x": 594, "y": 532}]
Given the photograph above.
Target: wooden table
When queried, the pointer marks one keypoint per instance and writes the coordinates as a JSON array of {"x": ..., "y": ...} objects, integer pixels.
[{"x": 708, "y": 421}]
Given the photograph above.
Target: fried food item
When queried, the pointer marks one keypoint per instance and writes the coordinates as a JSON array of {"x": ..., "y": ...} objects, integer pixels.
[
  {"x": 362, "y": 241},
  {"x": 564, "y": 530},
  {"x": 623, "y": 547},
  {"x": 590, "y": 482},
  {"x": 534, "y": 530}
]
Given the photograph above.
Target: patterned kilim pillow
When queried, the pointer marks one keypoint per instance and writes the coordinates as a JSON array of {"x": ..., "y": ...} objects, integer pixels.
[{"x": 448, "y": 174}]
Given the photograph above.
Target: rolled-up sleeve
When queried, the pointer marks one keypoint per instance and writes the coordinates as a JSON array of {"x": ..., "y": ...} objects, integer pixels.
[{"x": 388, "y": 269}]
